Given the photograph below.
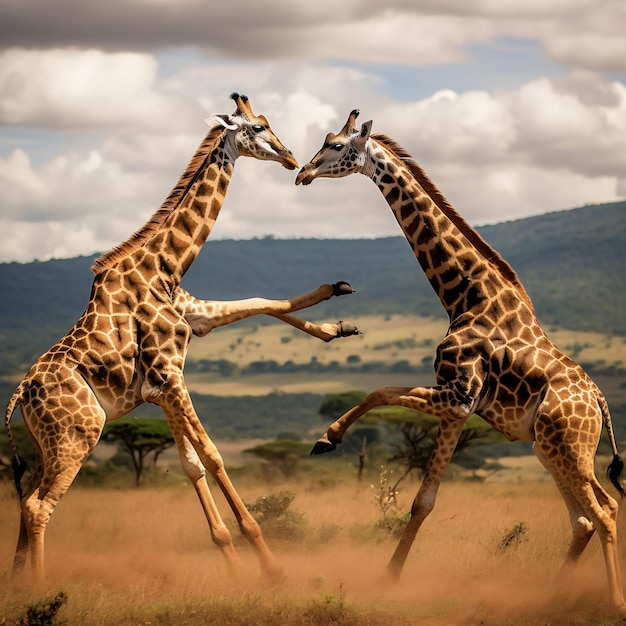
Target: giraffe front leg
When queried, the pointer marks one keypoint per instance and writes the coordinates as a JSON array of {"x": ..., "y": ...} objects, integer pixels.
[
  {"x": 399, "y": 396},
  {"x": 325, "y": 332},
  {"x": 445, "y": 443},
  {"x": 203, "y": 316}
]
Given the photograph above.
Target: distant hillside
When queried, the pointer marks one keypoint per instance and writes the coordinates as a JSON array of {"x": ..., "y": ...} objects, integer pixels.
[{"x": 573, "y": 264}]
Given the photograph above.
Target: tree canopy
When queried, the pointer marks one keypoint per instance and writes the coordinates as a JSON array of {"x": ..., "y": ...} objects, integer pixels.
[
  {"x": 282, "y": 453},
  {"x": 140, "y": 437}
]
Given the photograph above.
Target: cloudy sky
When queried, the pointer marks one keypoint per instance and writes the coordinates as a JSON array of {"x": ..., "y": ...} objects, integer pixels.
[{"x": 513, "y": 108}]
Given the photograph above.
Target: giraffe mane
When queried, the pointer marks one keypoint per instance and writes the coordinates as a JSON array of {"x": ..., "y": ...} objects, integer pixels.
[
  {"x": 489, "y": 253},
  {"x": 138, "y": 238}
]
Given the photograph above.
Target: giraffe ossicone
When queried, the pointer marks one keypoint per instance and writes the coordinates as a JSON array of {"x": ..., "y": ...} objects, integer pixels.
[
  {"x": 495, "y": 359},
  {"x": 130, "y": 344}
]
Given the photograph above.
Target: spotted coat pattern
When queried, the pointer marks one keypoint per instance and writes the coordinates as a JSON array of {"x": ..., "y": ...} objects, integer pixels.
[
  {"x": 495, "y": 359},
  {"x": 130, "y": 344}
]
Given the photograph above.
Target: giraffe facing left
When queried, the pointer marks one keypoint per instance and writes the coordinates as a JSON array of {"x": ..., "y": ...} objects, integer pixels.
[{"x": 130, "y": 344}]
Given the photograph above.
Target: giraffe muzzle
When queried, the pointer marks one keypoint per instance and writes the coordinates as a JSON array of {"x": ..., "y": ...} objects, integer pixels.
[
  {"x": 288, "y": 161},
  {"x": 305, "y": 175}
]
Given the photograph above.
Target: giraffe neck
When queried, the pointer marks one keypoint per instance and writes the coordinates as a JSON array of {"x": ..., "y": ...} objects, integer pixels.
[
  {"x": 165, "y": 247},
  {"x": 177, "y": 243},
  {"x": 461, "y": 267}
]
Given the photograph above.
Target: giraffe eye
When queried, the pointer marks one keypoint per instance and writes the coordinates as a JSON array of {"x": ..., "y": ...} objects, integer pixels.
[
  {"x": 337, "y": 146},
  {"x": 257, "y": 128}
]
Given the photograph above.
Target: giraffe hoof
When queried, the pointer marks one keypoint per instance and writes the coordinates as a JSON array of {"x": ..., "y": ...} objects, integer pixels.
[
  {"x": 322, "y": 446},
  {"x": 346, "y": 329},
  {"x": 342, "y": 288}
]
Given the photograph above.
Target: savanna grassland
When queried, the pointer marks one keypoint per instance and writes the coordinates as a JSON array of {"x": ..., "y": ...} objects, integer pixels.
[
  {"x": 144, "y": 556},
  {"x": 386, "y": 340},
  {"x": 128, "y": 556}
]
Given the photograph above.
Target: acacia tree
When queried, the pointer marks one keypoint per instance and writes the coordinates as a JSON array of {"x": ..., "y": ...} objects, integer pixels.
[
  {"x": 417, "y": 431},
  {"x": 284, "y": 454},
  {"x": 140, "y": 437},
  {"x": 335, "y": 405}
]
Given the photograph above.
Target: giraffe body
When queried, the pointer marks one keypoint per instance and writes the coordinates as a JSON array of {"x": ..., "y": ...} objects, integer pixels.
[
  {"x": 495, "y": 359},
  {"x": 130, "y": 345}
]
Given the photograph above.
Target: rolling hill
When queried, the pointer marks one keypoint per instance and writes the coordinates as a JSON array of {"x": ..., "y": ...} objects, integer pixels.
[{"x": 573, "y": 264}]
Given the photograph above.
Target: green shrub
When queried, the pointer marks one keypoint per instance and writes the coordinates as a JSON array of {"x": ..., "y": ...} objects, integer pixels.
[
  {"x": 43, "y": 613},
  {"x": 273, "y": 516}
]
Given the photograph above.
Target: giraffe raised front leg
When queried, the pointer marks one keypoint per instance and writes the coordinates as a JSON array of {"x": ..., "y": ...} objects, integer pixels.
[
  {"x": 439, "y": 401},
  {"x": 326, "y": 332},
  {"x": 329, "y": 441},
  {"x": 203, "y": 316}
]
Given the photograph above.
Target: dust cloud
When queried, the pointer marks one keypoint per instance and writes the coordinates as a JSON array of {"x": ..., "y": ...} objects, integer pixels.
[{"x": 145, "y": 556}]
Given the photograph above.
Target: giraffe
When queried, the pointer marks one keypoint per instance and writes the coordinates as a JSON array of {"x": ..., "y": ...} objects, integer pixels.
[
  {"x": 494, "y": 360},
  {"x": 129, "y": 346}
]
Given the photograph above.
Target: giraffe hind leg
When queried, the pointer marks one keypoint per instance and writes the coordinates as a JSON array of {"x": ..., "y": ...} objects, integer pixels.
[
  {"x": 22, "y": 550},
  {"x": 582, "y": 529},
  {"x": 37, "y": 507},
  {"x": 78, "y": 425},
  {"x": 599, "y": 508},
  {"x": 603, "y": 514}
]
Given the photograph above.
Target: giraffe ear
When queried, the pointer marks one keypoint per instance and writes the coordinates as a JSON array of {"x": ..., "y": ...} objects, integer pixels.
[
  {"x": 360, "y": 139},
  {"x": 366, "y": 128},
  {"x": 224, "y": 120}
]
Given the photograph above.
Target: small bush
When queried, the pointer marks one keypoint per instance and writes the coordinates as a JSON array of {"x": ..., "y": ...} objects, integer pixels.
[
  {"x": 273, "y": 516},
  {"x": 394, "y": 524},
  {"x": 43, "y": 613},
  {"x": 512, "y": 537},
  {"x": 385, "y": 494},
  {"x": 333, "y": 610}
]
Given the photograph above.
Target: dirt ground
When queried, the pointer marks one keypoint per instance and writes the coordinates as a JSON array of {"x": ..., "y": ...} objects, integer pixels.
[{"x": 144, "y": 556}]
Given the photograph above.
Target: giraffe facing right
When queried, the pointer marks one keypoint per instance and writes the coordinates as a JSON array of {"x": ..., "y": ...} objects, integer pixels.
[
  {"x": 130, "y": 344},
  {"x": 495, "y": 359}
]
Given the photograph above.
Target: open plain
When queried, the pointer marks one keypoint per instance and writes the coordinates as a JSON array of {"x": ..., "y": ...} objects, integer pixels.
[{"x": 144, "y": 556}]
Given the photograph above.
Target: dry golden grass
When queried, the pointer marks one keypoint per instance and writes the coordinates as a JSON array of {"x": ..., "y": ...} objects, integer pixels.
[{"x": 144, "y": 557}]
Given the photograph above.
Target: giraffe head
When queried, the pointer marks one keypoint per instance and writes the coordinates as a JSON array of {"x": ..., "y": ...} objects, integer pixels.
[
  {"x": 251, "y": 135},
  {"x": 341, "y": 155}
]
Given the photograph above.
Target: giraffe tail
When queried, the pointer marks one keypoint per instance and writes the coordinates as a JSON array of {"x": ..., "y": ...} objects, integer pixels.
[
  {"x": 18, "y": 464},
  {"x": 616, "y": 466}
]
